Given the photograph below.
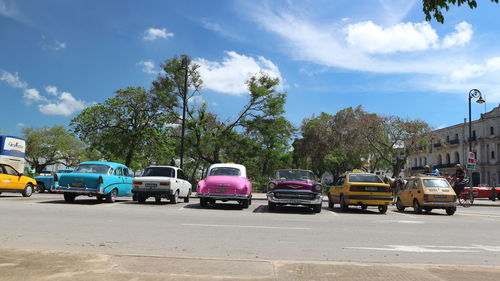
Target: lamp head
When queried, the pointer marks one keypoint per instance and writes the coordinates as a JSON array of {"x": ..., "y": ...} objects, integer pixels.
[{"x": 480, "y": 100}]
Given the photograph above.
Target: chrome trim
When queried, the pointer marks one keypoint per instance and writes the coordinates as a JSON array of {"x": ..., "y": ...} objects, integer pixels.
[
  {"x": 317, "y": 200},
  {"x": 223, "y": 196},
  {"x": 81, "y": 190},
  {"x": 437, "y": 204}
]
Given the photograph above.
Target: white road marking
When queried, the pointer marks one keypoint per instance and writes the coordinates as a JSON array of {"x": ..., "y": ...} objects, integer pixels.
[
  {"x": 422, "y": 249},
  {"x": 400, "y": 221},
  {"x": 334, "y": 214},
  {"x": 405, "y": 214},
  {"x": 479, "y": 215},
  {"x": 246, "y": 226}
]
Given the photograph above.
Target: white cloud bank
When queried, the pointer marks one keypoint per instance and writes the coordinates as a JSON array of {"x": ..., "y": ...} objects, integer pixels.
[
  {"x": 147, "y": 66},
  {"x": 60, "y": 103},
  {"x": 156, "y": 33},
  {"x": 230, "y": 75}
]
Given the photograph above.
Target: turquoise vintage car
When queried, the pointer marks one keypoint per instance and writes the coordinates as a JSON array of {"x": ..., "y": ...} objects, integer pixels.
[
  {"x": 104, "y": 180},
  {"x": 46, "y": 181}
]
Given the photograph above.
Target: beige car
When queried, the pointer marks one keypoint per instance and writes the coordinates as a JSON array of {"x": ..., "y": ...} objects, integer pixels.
[{"x": 425, "y": 193}]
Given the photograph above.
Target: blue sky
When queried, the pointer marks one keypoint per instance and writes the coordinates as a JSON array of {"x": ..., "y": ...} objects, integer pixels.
[{"x": 56, "y": 56}]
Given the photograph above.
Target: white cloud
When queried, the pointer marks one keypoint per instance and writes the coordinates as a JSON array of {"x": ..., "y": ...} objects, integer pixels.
[
  {"x": 148, "y": 66},
  {"x": 217, "y": 28},
  {"x": 371, "y": 38},
  {"x": 12, "y": 79},
  {"x": 461, "y": 36},
  {"x": 230, "y": 75},
  {"x": 156, "y": 33},
  {"x": 65, "y": 105},
  {"x": 58, "y": 45},
  {"x": 33, "y": 95},
  {"x": 8, "y": 9},
  {"x": 21, "y": 124},
  {"x": 196, "y": 99}
]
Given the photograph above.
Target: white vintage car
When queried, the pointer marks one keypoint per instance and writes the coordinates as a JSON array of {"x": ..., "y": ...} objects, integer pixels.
[{"x": 161, "y": 182}]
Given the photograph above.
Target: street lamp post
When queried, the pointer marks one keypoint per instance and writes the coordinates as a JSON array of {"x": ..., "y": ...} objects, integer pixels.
[
  {"x": 474, "y": 93},
  {"x": 185, "y": 66}
]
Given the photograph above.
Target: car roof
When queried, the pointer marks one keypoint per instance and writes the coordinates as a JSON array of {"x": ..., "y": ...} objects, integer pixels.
[
  {"x": 8, "y": 164},
  {"x": 231, "y": 165},
  {"x": 294, "y": 170},
  {"x": 161, "y": 166},
  {"x": 111, "y": 164}
]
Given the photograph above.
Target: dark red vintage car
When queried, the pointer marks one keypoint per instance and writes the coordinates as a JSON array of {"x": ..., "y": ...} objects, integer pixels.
[{"x": 484, "y": 191}]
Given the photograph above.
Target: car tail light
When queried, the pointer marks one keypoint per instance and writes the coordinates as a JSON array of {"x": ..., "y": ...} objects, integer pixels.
[
  {"x": 137, "y": 182},
  {"x": 164, "y": 183},
  {"x": 101, "y": 180},
  {"x": 354, "y": 188}
]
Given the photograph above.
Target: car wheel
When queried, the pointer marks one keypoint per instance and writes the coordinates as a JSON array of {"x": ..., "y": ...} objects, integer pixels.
[
  {"x": 317, "y": 208},
  {"x": 244, "y": 203},
  {"x": 427, "y": 209},
  {"x": 382, "y": 209},
  {"x": 158, "y": 199},
  {"x": 250, "y": 201},
  {"x": 417, "y": 209},
  {"x": 203, "y": 202},
  {"x": 330, "y": 202},
  {"x": 141, "y": 198},
  {"x": 271, "y": 206},
  {"x": 186, "y": 199},
  {"x": 41, "y": 187},
  {"x": 399, "y": 205},
  {"x": 451, "y": 210},
  {"x": 174, "y": 198},
  {"x": 134, "y": 197},
  {"x": 111, "y": 196},
  {"x": 69, "y": 197},
  {"x": 364, "y": 207},
  {"x": 28, "y": 190},
  {"x": 343, "y": 205}
]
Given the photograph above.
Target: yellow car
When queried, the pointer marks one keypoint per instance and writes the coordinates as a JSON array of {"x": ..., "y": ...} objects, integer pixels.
[
  {"x": 425, "y": 193},
  {"x": 13, "y": 181},
  {"x": 361, "y": 189}
]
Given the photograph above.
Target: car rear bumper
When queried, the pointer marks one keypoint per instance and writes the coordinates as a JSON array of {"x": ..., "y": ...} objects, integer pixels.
[
  {"x": 439, "y": 204},
  {"x": 167, "y": 191},
  {"x": 78, "y": 190},
  {"x": 221, "y": 196},
  {"x": 294, "y": 200},
  {"x": 368, "y": 200}
]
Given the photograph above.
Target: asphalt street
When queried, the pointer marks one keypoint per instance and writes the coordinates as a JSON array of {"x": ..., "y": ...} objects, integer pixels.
[{"x": 44, "y": 222}]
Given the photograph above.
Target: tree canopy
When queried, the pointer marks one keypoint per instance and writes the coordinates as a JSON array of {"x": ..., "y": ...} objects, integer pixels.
[{"x": 434, "y": 8}]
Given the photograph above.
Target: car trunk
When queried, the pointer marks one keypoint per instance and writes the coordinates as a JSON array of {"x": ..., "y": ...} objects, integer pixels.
[
  {"x": 223, "y": 184},
  {"x": 439, "y": 194},
  {"x": 76, "y": 180}
]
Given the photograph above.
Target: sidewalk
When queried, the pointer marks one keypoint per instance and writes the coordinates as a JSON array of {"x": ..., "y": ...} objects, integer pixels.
[{"x": 26, "y": 265}]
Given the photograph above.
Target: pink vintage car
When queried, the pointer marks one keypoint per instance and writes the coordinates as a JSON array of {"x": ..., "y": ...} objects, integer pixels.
[{"x": 225, "y": 182}]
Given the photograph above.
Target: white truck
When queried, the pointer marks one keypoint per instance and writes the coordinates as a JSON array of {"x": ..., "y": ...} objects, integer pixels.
[{"x": 161, "y": 182}]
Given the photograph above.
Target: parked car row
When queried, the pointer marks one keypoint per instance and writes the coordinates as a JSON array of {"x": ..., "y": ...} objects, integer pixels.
[{"x": 229, "y": 182}]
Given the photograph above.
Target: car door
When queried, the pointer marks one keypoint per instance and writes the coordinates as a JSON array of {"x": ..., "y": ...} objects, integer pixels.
[
  {"x": 181, "y": 183},
  {"x": 127, "y": 180},
  {"x": 336, "y": 189},
  {"x": 403, "y": 194},
  {"x": 13, "y": 178}
]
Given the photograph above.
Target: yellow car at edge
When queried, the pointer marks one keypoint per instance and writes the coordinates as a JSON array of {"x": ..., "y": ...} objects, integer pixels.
[
  {"x": 13, "y": 181},
  {"x": 360, "y": 189}
]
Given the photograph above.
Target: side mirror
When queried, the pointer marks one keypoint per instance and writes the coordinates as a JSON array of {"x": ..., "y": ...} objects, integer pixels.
[{"x": 21, "y": 174}]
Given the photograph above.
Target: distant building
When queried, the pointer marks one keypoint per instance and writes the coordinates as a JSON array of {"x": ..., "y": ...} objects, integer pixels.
[{"x": 450, "y": 147}]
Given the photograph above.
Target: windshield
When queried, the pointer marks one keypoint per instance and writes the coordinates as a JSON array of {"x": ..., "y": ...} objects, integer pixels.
[
  {"x": 295, "y": 175},
  {"x": 435, "y": 183},
  {"x": 159, "y": 172},
  {"x": 225, "y": 171},
  {"x": 94, "y": 169},
  {"x": 364, "y": 178}
]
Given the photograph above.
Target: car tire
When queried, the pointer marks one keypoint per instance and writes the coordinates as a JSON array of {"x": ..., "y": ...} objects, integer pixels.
[
  {"x": 451, "y": 210},
  {"x": 111, "y": 196},
  {"x": 157, "y": 199},
  {"x": 382, "y": 209},
  {"x": 343, "y": 205},
  {"x": 186, "y": 199},
  {"x": 399, "y": 205},
  {"x": 174, "y": 198},
  {"x": 330, "y": 202},
  {"x": 250, "y": 201},
  {"x": 417, "y": 209},
  {"x": 41, "y": 187},
  {"x": 271, "y": 206},
  {"x": 203, "y": 202},
  {"x": 245, "y": 204},
  {"x": 141, "y": 198},
  {"x": 69, "y": 197},
  {"x": 427, "y": 209},
  {"x": 28, "y": 190},
  {"x": 364, "y": 207},
  {"x": 317, "y": 208}
]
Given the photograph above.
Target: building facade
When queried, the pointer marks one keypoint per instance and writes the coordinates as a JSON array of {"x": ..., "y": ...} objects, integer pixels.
[{"x": 450, "y": 145}]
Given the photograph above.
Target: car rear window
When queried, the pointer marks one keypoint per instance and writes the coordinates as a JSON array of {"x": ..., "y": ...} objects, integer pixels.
[
  {"x": 159, "y": 172},
  {"x": 365, "y": 178},
  {"x": 224, "y": 171},
  {"x": 435, "y": 183}
]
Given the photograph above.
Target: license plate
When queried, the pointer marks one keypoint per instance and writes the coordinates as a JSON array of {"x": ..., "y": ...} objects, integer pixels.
[
  {"x": 151, "y": 185},
  {"x": 371, "y": 188},
  {"x": 78, "y": 184},
  {"x": 294, "y": 201},
  {"x": 439, "y": 196},
  {"x": 221, "y": 190}
]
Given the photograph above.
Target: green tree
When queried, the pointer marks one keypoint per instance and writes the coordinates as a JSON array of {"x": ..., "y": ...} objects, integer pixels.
[
  {"x": 434, "y": 8},
  {"x": 50, "y": 146},
  {"x": 129, "y": 128}
]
